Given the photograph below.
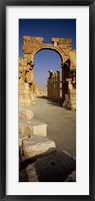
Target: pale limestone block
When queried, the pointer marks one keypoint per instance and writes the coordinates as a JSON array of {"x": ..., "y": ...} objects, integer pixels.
[
  {"x": 25, "y": 114},
  {"x": 28, "y": 96},
  {"x": 39, "y": 128},
  {"x": 26, "y": 86},
  {"x": 28, "y": 102},
  {"x": 21, "y": 91},
  {"x": 73, "y": 99},
  {"x": 36, "y": 146},
  {"x": 32, "y": 127},
  {"x": 25, "y": 129},
  {"x": 20, "y": 140},
  {"x": 21, "y": 102}
]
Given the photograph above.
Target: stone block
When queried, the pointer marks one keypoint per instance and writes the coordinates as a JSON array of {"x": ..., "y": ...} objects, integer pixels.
[
  {"x": 21, "y": 91},
  {"x": 54, "y": 167},
  {"x": 21, "y": 138},
  {"x": 26, "y": 38},
  {"x": 71, "y": 177},
  {"x": 21, "y": 103},
  {"x": 39, "y": 128},
  {"x": 36, "y": 146},
  {"x": 28, "y": 102},
  {"x": 25, "y": 114},
  {"x": 33, "y": 127}
]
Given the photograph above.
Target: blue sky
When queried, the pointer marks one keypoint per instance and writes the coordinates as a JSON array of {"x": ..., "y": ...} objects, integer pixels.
[{"x": 46, "y": 60}]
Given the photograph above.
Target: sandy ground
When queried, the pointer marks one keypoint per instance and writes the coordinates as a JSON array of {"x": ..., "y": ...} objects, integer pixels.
[{"x": 61, "y": 124}]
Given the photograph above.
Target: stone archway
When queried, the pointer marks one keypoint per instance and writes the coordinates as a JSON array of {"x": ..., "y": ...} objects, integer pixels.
[{"x": 32, "y": 45}]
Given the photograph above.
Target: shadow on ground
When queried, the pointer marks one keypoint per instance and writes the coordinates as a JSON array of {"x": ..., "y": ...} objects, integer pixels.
[{"x": 54, "y": 167}]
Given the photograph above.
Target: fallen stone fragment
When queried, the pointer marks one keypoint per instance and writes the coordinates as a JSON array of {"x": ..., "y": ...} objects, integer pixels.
[
  {"x": 32, "y": 128},
  {"x": 23, "y": 177},
  {"x": 21, "y": 138},
  {"x": 71, "y": 177},
  {"x": 36, "y": 146},
  {"x": 70, "y": 101},
  {"x": 54, "y": 167},
  {"x": 31, "y": 173},
  {"x": 66, "y": 100},
  {"x": 25, "y": 113}
]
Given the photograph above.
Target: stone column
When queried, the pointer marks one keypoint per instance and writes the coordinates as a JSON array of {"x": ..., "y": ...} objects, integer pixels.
[
  {"x": 54, "y": 80},
  {"x": 48, "y": 87},
  {"x": 64, "y": 82},
  {"x": 52, "y": 89},
  {"x": 58, "y": 85}
]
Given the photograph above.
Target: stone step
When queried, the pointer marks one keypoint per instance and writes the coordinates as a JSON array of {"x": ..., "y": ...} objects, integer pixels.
[
  {"x": 32, "y": 127},
  {"x": 36, "y": 146}
]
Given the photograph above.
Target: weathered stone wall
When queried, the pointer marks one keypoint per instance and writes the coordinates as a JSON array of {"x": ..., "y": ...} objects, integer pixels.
[{"x": 26, "y": 82}]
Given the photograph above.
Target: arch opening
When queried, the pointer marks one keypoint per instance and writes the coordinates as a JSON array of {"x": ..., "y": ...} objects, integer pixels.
[{"x": 45, "y": 60}]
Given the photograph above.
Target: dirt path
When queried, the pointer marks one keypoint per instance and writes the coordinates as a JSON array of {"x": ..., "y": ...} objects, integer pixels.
[{"x": 61, "y": 124}]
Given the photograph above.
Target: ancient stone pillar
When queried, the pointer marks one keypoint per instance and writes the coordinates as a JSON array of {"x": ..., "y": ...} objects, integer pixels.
[
  {"x": 52, "y": 88},
  {"x": 58, "y": 85},
  {"x": 54, "y": 85},
  {"x": 64, "y": 82},
  {"x": 48, "y": 87}
]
